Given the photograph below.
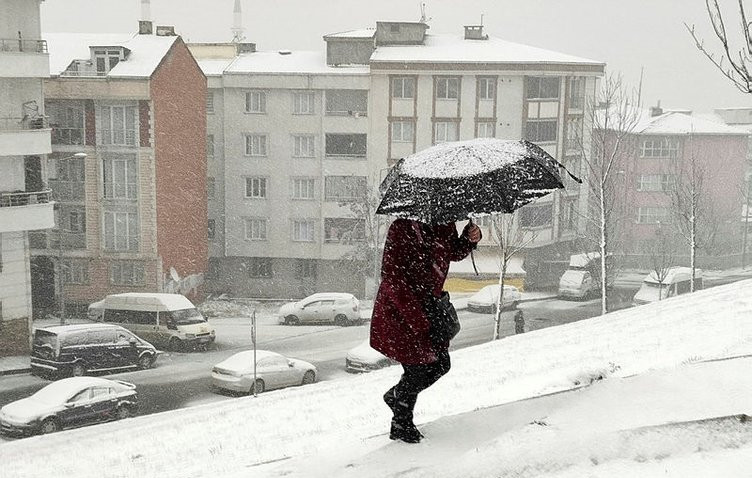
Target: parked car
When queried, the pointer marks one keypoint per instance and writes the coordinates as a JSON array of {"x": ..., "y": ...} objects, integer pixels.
[
  {"x": 580, "y": 280},
  {"x": 273, "y": 370},
  {"x": 675, "y": 281},
  {"x": 82, "y": 348},
  {"x": 329, "y": 307},
  {"x": 363, "y": 358},
  {"x": 68, "y": 403},
  {"x": 484, "y": 301}
]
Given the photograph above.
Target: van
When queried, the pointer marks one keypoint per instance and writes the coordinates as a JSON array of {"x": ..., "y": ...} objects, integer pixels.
[
  {"x": 578, "y": 281},
  {"x": 82, "y": 348},
  {"x": 677, "y": 281},
  {"x": 166, "y": 320}
]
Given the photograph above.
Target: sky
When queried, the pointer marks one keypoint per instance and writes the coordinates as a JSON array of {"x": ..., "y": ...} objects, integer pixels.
[{"x": 630, "y": 36}]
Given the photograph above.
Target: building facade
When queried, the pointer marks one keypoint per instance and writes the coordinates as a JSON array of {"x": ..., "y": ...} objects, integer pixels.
[
  {"x": 128, "y": 169},
  {"x": 25, "y": 201}
]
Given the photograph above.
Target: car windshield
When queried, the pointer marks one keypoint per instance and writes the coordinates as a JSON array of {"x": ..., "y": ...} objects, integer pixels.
[
  {"x": 188, "y": 316},
  {"x": 53, "y": 393}
]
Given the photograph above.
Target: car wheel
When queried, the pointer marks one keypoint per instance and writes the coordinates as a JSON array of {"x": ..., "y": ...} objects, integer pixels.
[
  {"x": 309, "y": 377},
  {"x": 341, "y": 320},
  {"x": 176, "y": 344},
  {"x": 292, "y": 320},
  {"x": 123, "y": 411},
  {"x": 49, "y": 425},
  {"x": 258, "y": 387},
  {"x": 78, "y": 370},
  {"x": 145, "y": 361}
]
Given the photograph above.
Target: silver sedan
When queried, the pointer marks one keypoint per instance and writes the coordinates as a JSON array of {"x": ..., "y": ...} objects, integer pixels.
[{"x": 273, "y": 370}]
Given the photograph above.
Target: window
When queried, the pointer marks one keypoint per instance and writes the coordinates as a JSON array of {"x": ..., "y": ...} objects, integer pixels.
[
  {"x": 260, "y": 267},
  {"x": 447, "y": 88},
  {"x": 536, "y": 216},
  {"x": 403, "y": 88},
  {"x": 486, "y": 129},
  {"x": 659, "y": 148},
  {"x": 211, "y": 229},
  {"x": 655, "y": 182},
  {"x": 305, "y": 269},
  {"x": 303, "y": 188},
  {"x": 75, "y": 272},
  {"x": 344, "y": 230},
  {"x": 120, "y": 177},
  {"x": 255, "y": 145},
  {"x": 576, "y": 92},
  {"x": 106, "y": 59},
  {"x": 353, "y": 145},
  {"x": 574, "y": 133},
  {"x": 403, "y": 131},
  {"x": 445, "y": 131},
  {"x": 210, "y": 145},
  {"x": 546, "y": 87},
  {"x": 121, "y": 231},
  {"x": 211, "y": 187},
  {"x": 346, "y": 102},
  {"x": 569, "y": 215},
  {"x": 77, "y": 221},
  {"x": 255, "y": 102},
  {"x": 487, "y": 88},
  {"x": 67, "y": 122},
  {"x": 653, "y": 215},
  {"x": 302, "y": 103},
  {"x": 210, "y": 102},
  {"x": 70, "y": 181},
  {"x": 255, "y": 229},
  {"x": 345, "y": 188},
  {"x": 303, "y": 230},
  {"x": 541, "y": 131},
  {"x": 117, "y": 125},
  {"x": 255, "y": 188},
  {"x": 127, "y": 273},
  {"x": 303, "y": 146}
]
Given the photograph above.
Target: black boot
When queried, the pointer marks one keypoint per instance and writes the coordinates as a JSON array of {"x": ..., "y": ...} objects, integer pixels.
[
  {"x": 407, "y": 432},
  {"x": 390, "y": 398}
]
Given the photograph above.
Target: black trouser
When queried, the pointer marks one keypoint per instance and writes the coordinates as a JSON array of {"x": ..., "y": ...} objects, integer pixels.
[{"x": 415, "y": 379}]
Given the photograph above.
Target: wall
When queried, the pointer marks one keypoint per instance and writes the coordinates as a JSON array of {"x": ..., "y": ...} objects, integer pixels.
[
  {"x": 20, "y": 15},
  {"x": 349, "y": 52}
]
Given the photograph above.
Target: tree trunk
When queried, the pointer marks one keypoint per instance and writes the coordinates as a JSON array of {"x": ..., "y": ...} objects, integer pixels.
[
  {"x": 603, "y": 250},
  {"x": 500, "y": 300}
]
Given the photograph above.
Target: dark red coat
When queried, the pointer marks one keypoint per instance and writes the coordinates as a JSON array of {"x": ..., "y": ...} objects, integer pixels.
[{"x": 399, "y": 326}]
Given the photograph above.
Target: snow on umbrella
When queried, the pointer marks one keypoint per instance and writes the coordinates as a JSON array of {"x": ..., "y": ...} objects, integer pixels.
[{"x": 456, "y": 180}]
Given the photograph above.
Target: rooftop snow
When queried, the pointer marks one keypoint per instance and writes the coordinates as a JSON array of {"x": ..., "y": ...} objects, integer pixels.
[
  {"x": 362, "y": 33},
  {"x": 293, "y": 62},
  {"x": 453, "y": 48},
  {"x": 680, "y": 123},
  {"x": 214, "y": 67},
  {"x": 146, "y": 51}
]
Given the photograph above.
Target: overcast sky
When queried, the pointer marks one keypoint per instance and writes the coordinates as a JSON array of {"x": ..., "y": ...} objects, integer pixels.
[{"x": 625, "y": 34}]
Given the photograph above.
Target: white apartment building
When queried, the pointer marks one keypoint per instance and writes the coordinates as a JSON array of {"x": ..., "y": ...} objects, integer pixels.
[{"x": 25, "y": 138}]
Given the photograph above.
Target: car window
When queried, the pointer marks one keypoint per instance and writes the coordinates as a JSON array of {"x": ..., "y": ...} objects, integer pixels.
[
  {"x": 327, "y": 303},
  {"x": 101, "y": 337},
  {"x": 123, "y": 337},
  {"x": 315, "y": 303},
  {"x": 98, "y": 393},
  {"x": 273, "y": 362},
  {"x": 81, "y": 396}
]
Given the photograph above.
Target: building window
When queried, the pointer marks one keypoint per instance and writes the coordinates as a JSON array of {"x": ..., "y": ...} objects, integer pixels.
[
  {"x": 210, "y": 145},
  {"x": 305, "y": 269},
  {"x": 653, "y": 215},
  {"x": 211, "y": 229},
  {"x": 70, "y": 180},
  {"x": 403, "y": 131},
  {"x": 303, "y": 146},
  {"x": 255, "y": 229},
  {"x": 655, "y": 182},
  {"x": 302, "y": 103},
  {"x": 126, "y": 273},
  {"x": 210, "y": 102},
  {"x": 403, "y": 88},
  {"x": 532, "y": 217},
  {"x": 106, "y": 60},
  {"x": 120, "y": 177},
  {"x": 255, "y": 145},
  {"x": 445, "y": 131},
  {"x": 303, "y": 230},
  {"x": 659, "y": 148},
  {"x": 255, "y": 102},
  {"x": 260, "y": 267},
  {"x": 347, "y": 102},
  {"x": 574, "y": 133},
  {"x": 486, "y": 129},
  {"x": 303, "y": 188},
  {"x": 75, "y": 272},
  {"x": 117, "y": 125},
  {"x": 576, "y": 92},
  {"x": 121, "y": 231},
  {"x": 344, "y": 230},
  {"x": 541, "y": 131},
  {"x": 77, "y": 221},
  {"x": 211, "y": 187},
  {"x": 447, "y": 88},
  {"x": 569, "y": 215},
  {"x": 255, "y": 187},
  {"x": 487, "y": 88},
  {"x": 546, "y": 87},
  {"x": 345, "y": 188},
  {"x": 67, "y": 122},
  {"x": 352, "y": 145}
]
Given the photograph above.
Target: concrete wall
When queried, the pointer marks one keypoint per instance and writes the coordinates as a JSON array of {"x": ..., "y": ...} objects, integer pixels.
[
  {"x": 349, "y": 52},
  {"x": 20, "y": 15}
]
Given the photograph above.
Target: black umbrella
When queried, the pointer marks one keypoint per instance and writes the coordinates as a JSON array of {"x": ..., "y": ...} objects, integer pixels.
[{"x": 454, "y": 181}]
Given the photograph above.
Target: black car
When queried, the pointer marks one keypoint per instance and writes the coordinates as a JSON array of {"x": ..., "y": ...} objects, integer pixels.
[
  {"x": 68, "y": 403},
  {"x": 78, "y": 349}
]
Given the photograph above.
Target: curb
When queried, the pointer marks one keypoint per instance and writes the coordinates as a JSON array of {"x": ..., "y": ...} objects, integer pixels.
[{"x": 15, "y": 371}]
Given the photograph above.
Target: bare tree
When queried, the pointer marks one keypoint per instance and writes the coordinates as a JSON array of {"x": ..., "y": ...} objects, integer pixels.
[
  {"x": 662, "y": 252},
  {"x": 739, "y": 67}
]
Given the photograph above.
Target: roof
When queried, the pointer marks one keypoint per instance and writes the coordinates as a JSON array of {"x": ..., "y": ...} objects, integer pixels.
[
  {"x": 146, "y": 51},
  {"x": 293, "y": 62},
  {"x": 214, "y": 67},
  {"x": 680, "y": 123},
  {"x": 331, "y": 295},
  {"x": 68, "y": 386},
  {"x": 582, "y": 260},
  {"x": 674, "y": 274},
  {"x": 362, "y": 33},
  {"x": 455, "y": 49},
  {"x": 147, "y": 301},
  {"x": 61, "y": 329}
]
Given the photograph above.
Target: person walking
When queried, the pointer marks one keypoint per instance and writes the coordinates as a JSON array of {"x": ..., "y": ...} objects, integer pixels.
[
  {"x": 519, "y": 322},
  {"x": 414, "y": 266}
]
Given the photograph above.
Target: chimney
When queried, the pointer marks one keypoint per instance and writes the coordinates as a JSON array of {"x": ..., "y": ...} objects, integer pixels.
[
  {"x": 656, "y": 110},
  {"x": 145, "y": 25},
  {"x": 475, "y": 32},
  {"x": 165, "y": 31}
]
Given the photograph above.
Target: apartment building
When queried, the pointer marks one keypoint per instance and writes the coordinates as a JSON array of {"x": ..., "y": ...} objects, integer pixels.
[
  {"x": 128, "y": 168},
  {"x": 25, "y": 201}
]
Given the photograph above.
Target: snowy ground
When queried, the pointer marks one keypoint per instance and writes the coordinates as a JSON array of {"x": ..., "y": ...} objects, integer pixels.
[{"x": 658, "y": 411}]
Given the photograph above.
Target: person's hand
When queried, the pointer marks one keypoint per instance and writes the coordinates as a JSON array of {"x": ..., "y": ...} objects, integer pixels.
[{"x": 472, "y": 231}]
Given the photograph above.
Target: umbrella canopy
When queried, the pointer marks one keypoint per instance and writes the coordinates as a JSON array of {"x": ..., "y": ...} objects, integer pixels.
[{"x": 453, "y": 181}]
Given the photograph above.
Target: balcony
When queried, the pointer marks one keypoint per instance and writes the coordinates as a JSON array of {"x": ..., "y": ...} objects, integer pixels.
[
  {"x": 24, "y": 58},
  {"x": 25, "y": 136},
  {"x": 26, "y": 210}
]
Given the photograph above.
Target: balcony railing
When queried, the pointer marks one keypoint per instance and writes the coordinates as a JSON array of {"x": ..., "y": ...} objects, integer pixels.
[
  {"x": 21, "y": 124},
  {"x": 25, "y": 46},
  {"x": 24, "y": 198}
]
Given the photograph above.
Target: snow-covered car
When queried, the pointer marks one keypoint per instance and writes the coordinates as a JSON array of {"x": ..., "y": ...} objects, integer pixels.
[
  {"x": 273, "y": 370},
  {"x": 326, "y": 307},
  {"x": 363, "y": 358},
  {"x": 484, "y": 301},
  {"x": 71, "y": 402}
]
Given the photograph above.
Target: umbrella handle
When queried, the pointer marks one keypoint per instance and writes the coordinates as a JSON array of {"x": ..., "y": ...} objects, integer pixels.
[
  {"x": 579, "y": 181},
  {"x": 472, "y": 257}
]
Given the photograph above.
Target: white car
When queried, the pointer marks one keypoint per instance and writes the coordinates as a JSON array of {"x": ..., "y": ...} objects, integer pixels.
[
  {"x": 272, "y": 371},
  {"x": 363, "y": 358},
  {"x": 333, "y": 307},
  {"x": 484, "y": 301}
]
